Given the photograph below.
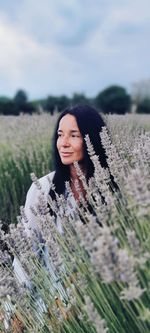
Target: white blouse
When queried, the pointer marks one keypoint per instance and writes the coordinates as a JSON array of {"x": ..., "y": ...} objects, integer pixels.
[{"x": 32, "y": 200}]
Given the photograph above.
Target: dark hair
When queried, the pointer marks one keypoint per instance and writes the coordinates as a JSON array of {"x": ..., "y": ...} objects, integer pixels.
[{"x": 89, "y": 122}]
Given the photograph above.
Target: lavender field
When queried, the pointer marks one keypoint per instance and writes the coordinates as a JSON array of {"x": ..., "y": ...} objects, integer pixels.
[
  {"x": 25, "y": 146},
  {"x": 101, "y": 271}
]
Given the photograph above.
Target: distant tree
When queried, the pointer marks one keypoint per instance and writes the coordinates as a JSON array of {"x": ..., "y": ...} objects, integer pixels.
[
  {"x": 113, "y": 99},
  {"x": 79, "y": 99},
  {"x": 39, "y": 103},
  {"x": 20, "y": 99},
  {"x": 29, "y": 108},
  {"x": 62, "y": 102},
  {"x": 51, "y": 104},
  {"x": 144, "y": 106},
  {"x": 8, "y": 107},
  {"x": 4, "y": 99},
  {"x": 2, "y": 106}
]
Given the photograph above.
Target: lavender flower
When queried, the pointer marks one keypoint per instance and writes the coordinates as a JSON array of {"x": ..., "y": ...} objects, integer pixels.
[
  {"x": 134, "y": 292},
  {"x": 95, "y": 317}
]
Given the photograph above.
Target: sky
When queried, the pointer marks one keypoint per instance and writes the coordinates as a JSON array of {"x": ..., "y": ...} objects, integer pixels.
[{"x": 57, "y": 47}]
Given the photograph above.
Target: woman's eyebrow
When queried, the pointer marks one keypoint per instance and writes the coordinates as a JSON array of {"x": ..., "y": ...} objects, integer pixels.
[
  {"x": 74, "y": 131},
  {"x": 59, "y": 130}
]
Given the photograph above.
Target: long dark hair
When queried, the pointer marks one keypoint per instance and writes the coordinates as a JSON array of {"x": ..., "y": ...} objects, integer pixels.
[{"x": 89, "y": 122}]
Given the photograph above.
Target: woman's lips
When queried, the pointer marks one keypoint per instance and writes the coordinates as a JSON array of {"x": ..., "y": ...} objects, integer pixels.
[{"x": 66, "y": 154}]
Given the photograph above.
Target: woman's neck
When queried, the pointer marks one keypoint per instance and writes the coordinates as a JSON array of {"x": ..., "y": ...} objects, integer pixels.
[
  {"x": 73, "y": 171},
  {"x": 73, "y": 178}
]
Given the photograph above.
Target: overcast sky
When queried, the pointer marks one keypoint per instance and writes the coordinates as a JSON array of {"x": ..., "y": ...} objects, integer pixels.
[{"x": 65, "y": 46}]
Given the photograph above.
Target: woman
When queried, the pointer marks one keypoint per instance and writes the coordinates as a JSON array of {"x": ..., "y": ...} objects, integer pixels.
[{"x": 70, "y": 146}]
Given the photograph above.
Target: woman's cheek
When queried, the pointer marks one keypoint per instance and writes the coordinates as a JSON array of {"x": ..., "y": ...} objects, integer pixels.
[{"x": 58, "y": 144}]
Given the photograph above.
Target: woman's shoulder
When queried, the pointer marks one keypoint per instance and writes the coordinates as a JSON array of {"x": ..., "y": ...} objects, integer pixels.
[
  {"x": 44, "y": 184},
  {"x": 46, "y": 180},
  {"x": 33, "y": 196}
]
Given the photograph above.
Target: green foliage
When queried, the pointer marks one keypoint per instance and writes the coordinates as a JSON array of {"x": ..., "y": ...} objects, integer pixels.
[
  {"x": 15, "y": 179},
  {"x": 53, "y": 103},
  {"x": 4, "y": 99},
  {"x": 8, "y": 107},
  {"x": 62, "y": 102},
  {"x": 24, "y": 148},
  {"x": 17, "y": 105},
  {"x": 113, "y": 99},
  {"x": 21, "y": 103},
  {"x": 144, "y": 106},
  {"x": 79, "y": 99},
  {"x": 38, "y": 102},
  {"x": 12, "y": 174},
  {"x": 29, "y": 108},
  {"x": 20, "y": 98}
]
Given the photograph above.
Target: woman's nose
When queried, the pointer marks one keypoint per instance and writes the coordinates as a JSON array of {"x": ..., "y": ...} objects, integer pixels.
[{"x": 66, "y": 141}]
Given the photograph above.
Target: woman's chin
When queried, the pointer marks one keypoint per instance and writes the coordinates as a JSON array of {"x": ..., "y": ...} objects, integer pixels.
[{"x": 66, "y": 161}]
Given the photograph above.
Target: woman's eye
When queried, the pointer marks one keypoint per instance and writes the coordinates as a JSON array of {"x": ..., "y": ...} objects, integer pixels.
[{"x": 72, "y": 135}]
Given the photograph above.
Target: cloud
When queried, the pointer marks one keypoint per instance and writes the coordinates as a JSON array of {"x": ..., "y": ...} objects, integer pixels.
[
  {"x": 61, "y": 22},
  {"x": 26, "y": 63},
  {"x": 72, "y": 45},
  {"x": 121, "y": 37}
]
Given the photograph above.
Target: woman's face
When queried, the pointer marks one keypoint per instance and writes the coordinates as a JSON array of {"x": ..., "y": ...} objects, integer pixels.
[{"x": 70, "y": 141}]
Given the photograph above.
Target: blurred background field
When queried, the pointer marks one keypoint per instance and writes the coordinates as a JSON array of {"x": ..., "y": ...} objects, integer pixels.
[{"x": 26, "y": 146}]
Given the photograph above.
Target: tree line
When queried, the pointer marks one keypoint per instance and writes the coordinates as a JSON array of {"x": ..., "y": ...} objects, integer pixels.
[{"x": 113, "y": 99}]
